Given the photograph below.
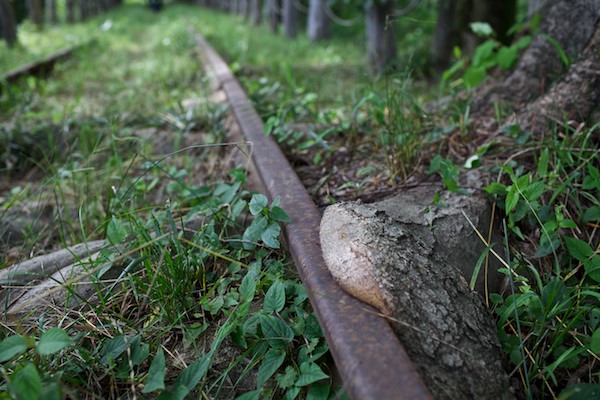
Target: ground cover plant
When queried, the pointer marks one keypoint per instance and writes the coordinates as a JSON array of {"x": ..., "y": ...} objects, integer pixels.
[
  {"x": 123, "y": 144},
  {"x": 544, "y": 189},
  {"x": 349, "y": 135}
]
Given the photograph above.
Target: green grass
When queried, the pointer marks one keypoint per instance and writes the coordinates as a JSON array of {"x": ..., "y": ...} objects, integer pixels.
[{"x": 205, "y": 302}]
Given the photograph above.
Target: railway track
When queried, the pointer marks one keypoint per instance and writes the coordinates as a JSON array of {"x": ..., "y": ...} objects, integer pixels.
[
  {"x": 371, "y": 361},
  {"x": 40, "y": 68}
]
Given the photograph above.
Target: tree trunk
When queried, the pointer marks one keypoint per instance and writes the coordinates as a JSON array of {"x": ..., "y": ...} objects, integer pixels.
[
  {"x": 452, "y": 28},
  {"x": 51, "y": 13},
  {"x": 290, "y": 18},
  {"x": 375, "y": 253},
  {"x": 8, "y": 26},
  {"x": 35, "y": 12},
  {"x": 70, "y": 10},
  {"x": 571, "y": 100},
  {"x": 256, "y": 11},
  {"x": 274, "y": 17},
  {"x": 446, "y": 35},
  {"x": 571, "y": 24},
  {"x": 84, "y": 10},
  {"x": 319, "y": 26},
  {"x": 381, "y": 36}
]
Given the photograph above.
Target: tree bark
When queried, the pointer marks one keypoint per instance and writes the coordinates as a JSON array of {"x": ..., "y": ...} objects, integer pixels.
[
  {"x": 290, "y": 18},
  {"x": 571, "y": 100},
  {"x": 256, "y": 11},
  {"x": 381, "y": 36},
  {"x": 452, "y": 28},
  {"x": 274, "y": 17},
  {"x": 8, "y": 26},
  {"x": 568, "y": 23},
  {"x": 319, "y": 26},
  {"x": 70, "y": 10},
  {"x": 35, "y": 12},
  {"x": 51, "y": 12},
  {"x": 445, "y": 327}
]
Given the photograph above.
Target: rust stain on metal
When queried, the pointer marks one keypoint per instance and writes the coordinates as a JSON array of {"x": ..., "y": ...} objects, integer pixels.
[{"x": 369, "y": 357}]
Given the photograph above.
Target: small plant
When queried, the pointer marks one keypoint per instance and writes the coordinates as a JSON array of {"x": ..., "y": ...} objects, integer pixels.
[{"x": 548, "y": 322}]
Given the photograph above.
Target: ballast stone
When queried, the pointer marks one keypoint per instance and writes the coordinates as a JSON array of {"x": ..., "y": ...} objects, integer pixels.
[{"x": 394, "y": 256}]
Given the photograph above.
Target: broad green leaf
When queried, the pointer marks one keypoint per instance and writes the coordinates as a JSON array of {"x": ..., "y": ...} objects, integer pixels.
[
  {"x": 248, "y": 287},
  {"x": 278, "y": 214},
  {"x": 116, "y": 231},
  {"x": 270, "y": 364},
  {"x": 112, "y": 349},
  {"x": 214, "y": 305},
  {"x": 581, "y": 391},
  {"x": 310, "y": 373},
  {"x": 139, "y": 351},
  {"x": 592, "y": 268},
  {"x": 11, "y": 347},
  {"x": 592, "y": 214},
  {"x": 276, "y": 331},
  {"x": 253, "y": 232},
  {"x": 156, "y": 374},
  {"x": 483, "y": 53},
  {"x": 52, "y": 341},
  {"x": 595, "y": 343},
  {"x": 194, "y": 372},
  {"x": 253, "y": 395},
  {"x": 27, "y": 383},
  {"x": 270, "y": 236},
  {"x": 578, "y": 249},
  {"x": 257, "y": 204},
  {"x": 291, "y": 393},
  {"x": 274, "y": 298},
  {"x": 496, "y": 188},
  {"x": 512, "y": 198},
  {"x": 507, "y": 56},
  {"x": 547, "y": 246},
  {"x": 287, "y": 380},
  {"x": 543, "y": 163},
  {"x": 474, "y": 76},
  {"x": 318, "y": 391},
  {"x": 482, "y": 29}
]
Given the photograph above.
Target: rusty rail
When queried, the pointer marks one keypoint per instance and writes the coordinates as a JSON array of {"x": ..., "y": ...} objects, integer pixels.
[{"x": 371, "y": 361}]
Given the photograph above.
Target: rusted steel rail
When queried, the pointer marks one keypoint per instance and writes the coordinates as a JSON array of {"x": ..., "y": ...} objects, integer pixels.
[
  {"x": 42, "y": 67},
  {"x": 371, "y": 361}
]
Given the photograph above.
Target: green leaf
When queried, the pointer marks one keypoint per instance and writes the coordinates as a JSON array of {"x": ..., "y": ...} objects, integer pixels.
[
  {"x": 53, "y": 341},
  {"x": 116, "y": 231},
  {"x": 248, "y": 287},
  {"x": 270, "y": 364},
  {"x": 27, "y": 383},
  {"x": 156, "y": 374},
  {"x": 310, "y": 373},
  {"x": 543, "y": 163},
  {"x": 253, "y": 233},
  {"x": 112, "y": 349},
  {"x": 253, "y": 395},
  {"x": 547, "y": 246},
  {"x": 507, "y": 57},
  {"x": 194, "y": 372},
  {"x": 481, "y": 29},
  {"x": 292, "y": 393},
  {"x": 496, "y": 188},
  {"x": 592, "y": 268},
  {"x": 276, "y": 331},
  {"x": 274, "y": 298},
  {"x": 581, "y": 391},
  {"x": 139, "y": 351},
  {"x": 278, "y": 214},
  {"x": 11, "y": 347},
  {"x": 484, "y": 53},
  {"x": 474, "y": 76},
  {"x": 578, "y": 249},
  {"x": 287, "y": 380},
  {"x": 257, "y": 204},
  {"x": 270, "y": 236},
  {"x": 318, "y": 391},
  {"x": 592, "y": 214},
  {"x": 512, "y": 198},
  {"x": 595, "y": 342},
  {"x": 214, "y": 305}
]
